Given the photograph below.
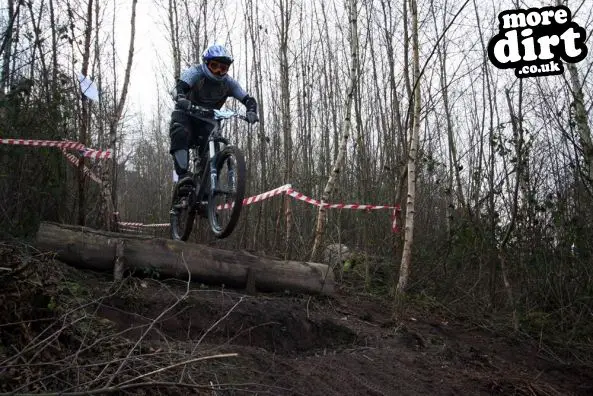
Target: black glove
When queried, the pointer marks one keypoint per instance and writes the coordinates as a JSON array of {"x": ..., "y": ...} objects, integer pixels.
[
  {"x": 251, "y": 117},
  {"x": 183, "y": 103},
  {"x": 251, "y": 107}
]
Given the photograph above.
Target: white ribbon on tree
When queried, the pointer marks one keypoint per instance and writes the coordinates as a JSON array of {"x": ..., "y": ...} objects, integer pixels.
[{"x": 88, "y": 87}]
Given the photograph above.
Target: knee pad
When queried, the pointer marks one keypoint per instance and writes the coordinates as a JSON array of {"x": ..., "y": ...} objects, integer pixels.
[{"x": 181, "y": 161}]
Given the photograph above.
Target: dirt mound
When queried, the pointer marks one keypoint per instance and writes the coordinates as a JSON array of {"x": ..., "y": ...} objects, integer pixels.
[
  {"x": 277, "y": 324},
  {"x": 71, "y": 331}
]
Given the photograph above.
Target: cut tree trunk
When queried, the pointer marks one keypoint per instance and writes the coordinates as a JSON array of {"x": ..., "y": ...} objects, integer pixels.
[{"x": 86, "y": 248}]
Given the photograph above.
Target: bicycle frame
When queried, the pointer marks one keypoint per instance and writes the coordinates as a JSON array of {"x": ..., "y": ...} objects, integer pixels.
[{"x": 214, "y": 140}]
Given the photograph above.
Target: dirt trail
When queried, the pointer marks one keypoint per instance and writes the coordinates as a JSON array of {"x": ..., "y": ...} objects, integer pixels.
[
  {"x": 347, "y": 345},
  {"x": 139, "y": 333}
]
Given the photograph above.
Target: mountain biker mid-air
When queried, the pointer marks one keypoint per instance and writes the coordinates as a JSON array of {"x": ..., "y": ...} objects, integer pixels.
[{"x": 206, "y": 85}]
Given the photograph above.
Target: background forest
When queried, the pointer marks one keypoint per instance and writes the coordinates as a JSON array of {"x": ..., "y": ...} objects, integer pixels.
[{"x": 503, "y": 196}]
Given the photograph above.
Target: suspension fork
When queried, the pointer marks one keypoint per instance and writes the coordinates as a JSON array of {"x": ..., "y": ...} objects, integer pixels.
[{"x": 213, "y": 172}]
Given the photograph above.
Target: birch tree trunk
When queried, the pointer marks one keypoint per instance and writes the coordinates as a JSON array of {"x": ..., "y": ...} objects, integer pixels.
[
  {"x": 404, "y": 272},
  {"x": 582, "y": 121},
  {"x": 174, "y": 31},
  {"x": 108, "y": 194},
  {"x": 345, "y": 127},
  {"x": 582, "y": 124}
]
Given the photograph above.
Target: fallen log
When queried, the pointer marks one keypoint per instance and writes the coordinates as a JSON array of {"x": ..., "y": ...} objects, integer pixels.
[{"x": 87, "y": 248}]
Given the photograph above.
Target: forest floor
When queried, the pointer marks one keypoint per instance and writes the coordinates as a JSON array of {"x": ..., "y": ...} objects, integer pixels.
[{"x": 78, "y": 332}]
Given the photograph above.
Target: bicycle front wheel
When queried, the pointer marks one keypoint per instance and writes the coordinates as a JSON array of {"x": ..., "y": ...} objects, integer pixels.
[{"x": 226, "y": 199}]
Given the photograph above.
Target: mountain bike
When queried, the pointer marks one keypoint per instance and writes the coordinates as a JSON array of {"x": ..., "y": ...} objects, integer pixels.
[{"x": 218, "y": 175}]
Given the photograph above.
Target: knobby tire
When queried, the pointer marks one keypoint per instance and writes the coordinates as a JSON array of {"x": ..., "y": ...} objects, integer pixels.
[
  {"x": 182, "y": 223},
  {"x": 238, "y": 160}
]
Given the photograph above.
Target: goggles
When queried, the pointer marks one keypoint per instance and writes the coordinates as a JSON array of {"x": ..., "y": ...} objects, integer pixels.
[{"x": 218, "y": 67}]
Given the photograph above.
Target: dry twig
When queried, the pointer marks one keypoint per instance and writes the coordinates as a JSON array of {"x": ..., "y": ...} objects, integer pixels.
[{"x": 155, "y": 321}]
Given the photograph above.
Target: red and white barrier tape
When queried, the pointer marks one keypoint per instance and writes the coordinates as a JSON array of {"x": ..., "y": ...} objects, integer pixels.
[
  {"x": 395, "y": 209},
  {"x": 287, "y": 189},
  {"x": 96, "y": 154},
  {"x": 302, "y": 197},
  {"x": 142, "y": 225},
  {"x": 63, "y": 144},
  {"x": 257, "y": 198},
  {"x": 272, "y": 193},
  {"x": 394, "y": 215},
  {"x": 75, "y": 161}
]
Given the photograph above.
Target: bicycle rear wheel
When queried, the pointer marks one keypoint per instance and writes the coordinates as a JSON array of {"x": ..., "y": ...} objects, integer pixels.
[
  {"x": 226, "y": 201},
  {"x": 183, "y": 213}
]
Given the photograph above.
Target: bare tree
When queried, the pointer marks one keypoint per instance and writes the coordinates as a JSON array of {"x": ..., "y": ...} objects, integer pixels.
[
  {"x": 7, "y": 41},
  {"x": 582, "y": 122},
  {"x": 85, "y": 115},
  {"x": 345, "y": 128},
  {"x": 254, "y": 30},
  {"x": 54, "y": 47},
  {"x": 285, "y": 14},
  {"x": 109, "y": 175},
  {"x": 410, "y": 210},
  {"x": 517, "y": 128}
]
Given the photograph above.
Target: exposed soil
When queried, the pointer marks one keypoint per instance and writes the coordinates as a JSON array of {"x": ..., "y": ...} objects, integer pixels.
[{"x": 134, "y": 337}]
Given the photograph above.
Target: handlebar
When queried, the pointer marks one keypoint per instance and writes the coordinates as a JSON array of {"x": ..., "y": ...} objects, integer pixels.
[
  {"x": 201, "y": 111},
  {"x": 215, "y": 113}
]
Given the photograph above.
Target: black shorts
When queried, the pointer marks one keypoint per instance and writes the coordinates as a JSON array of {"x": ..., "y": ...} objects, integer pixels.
[{"x": 186, "y": 131}]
